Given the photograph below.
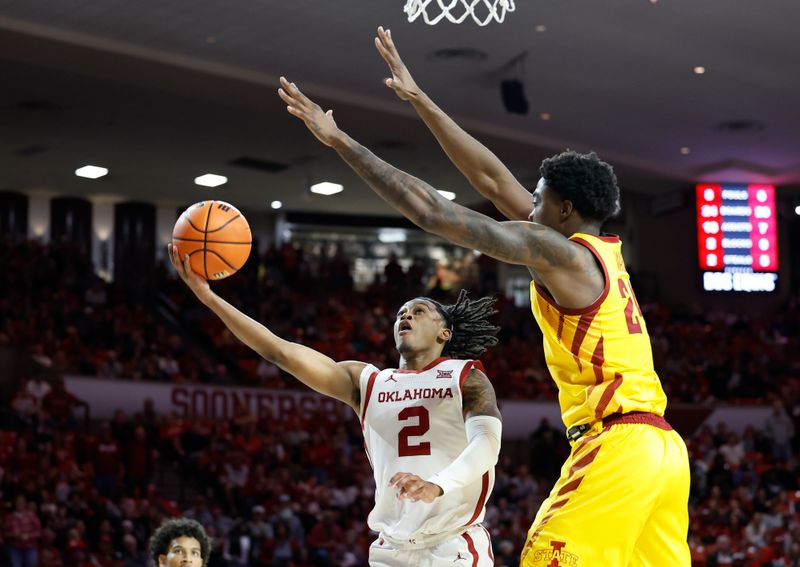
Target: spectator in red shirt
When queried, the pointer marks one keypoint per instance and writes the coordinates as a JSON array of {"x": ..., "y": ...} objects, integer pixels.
[
  {"x": 22, "y": 532},
  {"x": 106, "y": 463},
  {"x": 59, "y": 404}
]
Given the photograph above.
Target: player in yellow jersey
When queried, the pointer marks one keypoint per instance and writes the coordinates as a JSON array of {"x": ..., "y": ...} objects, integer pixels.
[{"x": 622, "y": 499}]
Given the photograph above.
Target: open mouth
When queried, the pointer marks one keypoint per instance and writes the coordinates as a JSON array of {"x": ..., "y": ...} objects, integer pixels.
[{"x": 403, "y": 327}]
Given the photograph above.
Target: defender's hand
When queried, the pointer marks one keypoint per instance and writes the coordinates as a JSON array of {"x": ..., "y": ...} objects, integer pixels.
[
  {"x": 401, "y": 82},
  {"x": 319, "y": 122},
  {"x": 411, "y": 487},
  {"x": 198, "y": 285}
]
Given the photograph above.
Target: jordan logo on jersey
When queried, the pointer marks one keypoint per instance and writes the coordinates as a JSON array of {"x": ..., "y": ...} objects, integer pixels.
[
  {"x": 556, "y": 556},
  {"x": 459, "y": 557},
  {"x": 391, "y": 378},
  {"x": 444, "y": 374}
]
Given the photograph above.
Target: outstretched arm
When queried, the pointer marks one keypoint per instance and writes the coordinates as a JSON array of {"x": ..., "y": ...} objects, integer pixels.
[
  {"x": 484, "y": 429},
  {"x": 336, "y": 379},
  {"x": 526, "y": 243},
  {"x": 485, "y": 172}
]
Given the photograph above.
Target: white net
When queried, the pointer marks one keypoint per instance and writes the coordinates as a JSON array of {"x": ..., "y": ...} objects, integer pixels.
[{"x": 456, "y": 11}]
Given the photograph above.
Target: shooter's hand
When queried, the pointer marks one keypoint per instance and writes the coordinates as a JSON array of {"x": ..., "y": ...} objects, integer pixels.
[
  {"x": 198, "y": 285},
  {"x": 319, "y": 122}
]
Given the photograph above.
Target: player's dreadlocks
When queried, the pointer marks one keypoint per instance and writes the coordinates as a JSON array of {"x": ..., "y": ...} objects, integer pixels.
[{"x": 469, "y": 322}]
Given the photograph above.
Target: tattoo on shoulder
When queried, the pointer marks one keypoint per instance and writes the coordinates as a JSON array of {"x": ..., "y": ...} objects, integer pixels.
[{"x": 478, "y": 395}]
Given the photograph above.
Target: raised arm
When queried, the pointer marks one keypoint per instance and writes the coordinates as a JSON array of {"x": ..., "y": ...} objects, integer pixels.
[
  {"x": 485, "y": 172},
  {"x": 338, "y": 380},
  {"x": 567, "y": 269}
]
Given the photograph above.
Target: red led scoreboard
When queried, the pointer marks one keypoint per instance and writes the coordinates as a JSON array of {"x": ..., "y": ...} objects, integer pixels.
[{"x": 736, "y": 237}]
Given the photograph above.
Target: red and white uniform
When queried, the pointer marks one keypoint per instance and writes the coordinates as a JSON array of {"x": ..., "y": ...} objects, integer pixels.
[{"x": 413, "y": 422}]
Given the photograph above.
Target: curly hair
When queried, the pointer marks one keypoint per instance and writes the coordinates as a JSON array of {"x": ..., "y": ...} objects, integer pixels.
[
  {"x": 468, "y": 321},
  {"x": 175, "y": 528},
  {"x": 586, "y": 180}
]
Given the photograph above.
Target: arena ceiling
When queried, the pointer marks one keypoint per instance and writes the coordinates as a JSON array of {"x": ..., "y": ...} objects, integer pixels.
[{"x": 162, "y": 91}]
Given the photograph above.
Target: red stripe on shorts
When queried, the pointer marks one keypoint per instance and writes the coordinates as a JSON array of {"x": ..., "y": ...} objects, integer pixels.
[
  {"x": 489, "y": 537},
  {"x": 471, "y": 547}
]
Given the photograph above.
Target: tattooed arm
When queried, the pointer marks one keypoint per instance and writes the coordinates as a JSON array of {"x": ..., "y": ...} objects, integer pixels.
[
  {"x": 478, "y": 396},
  {"x": 567, "y": 269}
]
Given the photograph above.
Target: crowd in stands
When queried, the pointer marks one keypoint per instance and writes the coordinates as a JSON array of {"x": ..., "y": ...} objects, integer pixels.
[
  {"x": 296, "y": 491},
  {"x": 84, "y": 325}
]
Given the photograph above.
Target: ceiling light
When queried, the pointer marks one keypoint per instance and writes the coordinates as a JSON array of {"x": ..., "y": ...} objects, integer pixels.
[
  {"x": 544, "y": 116},
  {"x": 449, "y": 195},
  {"x": 699, "y": 70},
  {"x": 540, "y": 28},
  {"x": 685, "y": 151},
  {"x": 91, "y": 171},
  {"x": 797, "y": 210},
  {"x": 390, "y": 235},
  {"x": 211, "y": 39},
  {"x": 276, "y": 204},
  {"x": 326, "y": 188},
  {"x": 211, "y": 180}
]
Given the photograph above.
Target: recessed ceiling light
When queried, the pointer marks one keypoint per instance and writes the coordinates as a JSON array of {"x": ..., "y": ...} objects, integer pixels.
[
  {"x": 540, "y": 28},
  {"x": 211, "y": 180},
  {"x": 797, "y": 210},
  {"x": 686, "y": 151},
  {"x": 544, "y": 116},
  {"x": 449, "y": 195},
  {"x": 211, "y": 39},
  {"x": 389, "y": 235},
  {"x": 276, "y": 204},
  {"x": 326, "y": 188},
  {"x": 699, "y": 70},
  {"x": 91, "y": 171}
]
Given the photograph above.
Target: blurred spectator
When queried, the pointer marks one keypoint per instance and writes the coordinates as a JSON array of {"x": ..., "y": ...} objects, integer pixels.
[
  {"x": 22, "y": 531},
  {"x": 780, "y": 429}
]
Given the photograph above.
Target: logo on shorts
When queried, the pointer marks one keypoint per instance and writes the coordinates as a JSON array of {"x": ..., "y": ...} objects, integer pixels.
[
  {"x": 555, "y": 556},
  {"x": 444, "y": 374},
  {"x": 459, "y": 557}
]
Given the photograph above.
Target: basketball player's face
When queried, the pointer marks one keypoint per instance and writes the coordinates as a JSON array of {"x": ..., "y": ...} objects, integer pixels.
[
  {"x": 545, "y": 206},
  {"x": 417, "y": 327},
  {"x": 183, "y": 551}
]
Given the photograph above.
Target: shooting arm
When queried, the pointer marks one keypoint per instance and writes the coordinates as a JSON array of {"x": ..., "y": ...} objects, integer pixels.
[{"x": 314, "y": 369}]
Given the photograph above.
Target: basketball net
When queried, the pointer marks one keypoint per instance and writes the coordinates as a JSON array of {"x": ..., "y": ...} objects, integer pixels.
[{"x": 456, "y": 11}]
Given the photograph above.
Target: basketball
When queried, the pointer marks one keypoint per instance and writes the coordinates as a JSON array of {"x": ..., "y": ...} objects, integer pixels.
[{"x": 216, "y": 236}]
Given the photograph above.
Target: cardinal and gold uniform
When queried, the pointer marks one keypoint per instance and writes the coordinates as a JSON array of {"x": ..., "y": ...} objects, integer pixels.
[{"x": 622, "y": 498}]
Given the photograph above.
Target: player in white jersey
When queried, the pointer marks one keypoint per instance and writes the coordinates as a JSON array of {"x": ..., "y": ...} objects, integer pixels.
[{"x": 431, "y": 426}]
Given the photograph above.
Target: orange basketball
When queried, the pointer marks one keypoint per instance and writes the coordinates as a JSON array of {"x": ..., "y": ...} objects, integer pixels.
[{"x": 216, "y": 237}]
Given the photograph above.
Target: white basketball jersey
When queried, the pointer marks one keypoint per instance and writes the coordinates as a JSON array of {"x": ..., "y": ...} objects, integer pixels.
[{"x": 413, "y": 422}]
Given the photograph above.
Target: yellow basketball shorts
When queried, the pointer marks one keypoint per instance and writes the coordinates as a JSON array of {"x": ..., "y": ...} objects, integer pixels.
[{"x": 621, "y": 501}]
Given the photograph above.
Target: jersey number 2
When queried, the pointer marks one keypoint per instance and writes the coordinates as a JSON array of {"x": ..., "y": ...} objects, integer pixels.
[
  {"x": 631, "y": 318},
  {"x": 406, "y": 449}
]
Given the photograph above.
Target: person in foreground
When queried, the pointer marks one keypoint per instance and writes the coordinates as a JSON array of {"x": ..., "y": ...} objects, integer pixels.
[
  {"x": 622, "y": 498},
  {"x": 180, "y": 542},
  {"x": 431, "y": 426}
]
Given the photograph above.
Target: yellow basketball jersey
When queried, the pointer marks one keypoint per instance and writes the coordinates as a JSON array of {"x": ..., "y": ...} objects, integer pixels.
[{"x": 600, "y": 357}]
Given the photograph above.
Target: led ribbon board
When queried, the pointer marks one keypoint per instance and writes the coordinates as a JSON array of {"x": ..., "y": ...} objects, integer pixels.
[{"x": 737, "y": 239}]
